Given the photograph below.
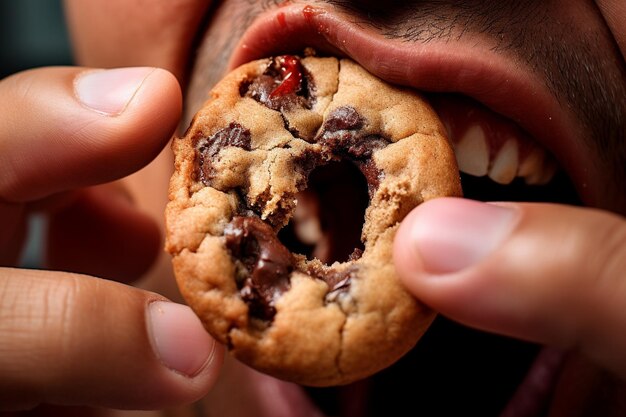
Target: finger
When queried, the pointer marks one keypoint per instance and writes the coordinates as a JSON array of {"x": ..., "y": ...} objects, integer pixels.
[
  {"x": 118, "y": 32},
  {"x": 101, "y": 233},
  {"x": 74, "y": 340},
  {"x": 546, "y": 273},
  {"x": 64, "y": 128}
]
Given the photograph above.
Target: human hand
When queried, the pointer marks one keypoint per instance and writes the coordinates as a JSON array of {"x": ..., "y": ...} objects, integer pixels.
[
  {"x": 546, "y": 273},
  {"x": 73, "y": 339}
]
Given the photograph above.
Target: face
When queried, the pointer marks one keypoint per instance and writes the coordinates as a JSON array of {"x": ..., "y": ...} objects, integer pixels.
[{"x": 533, "y": 94}]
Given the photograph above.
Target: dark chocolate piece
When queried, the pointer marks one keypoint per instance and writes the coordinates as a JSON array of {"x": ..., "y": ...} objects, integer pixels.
[
  {"x": 268, "y": 263},
  {"x": 343, "y": 118},
  {"x": 233, "y": 135},
  {"x": 284, "y": 85},
  {"x": 341, "y": 134}
]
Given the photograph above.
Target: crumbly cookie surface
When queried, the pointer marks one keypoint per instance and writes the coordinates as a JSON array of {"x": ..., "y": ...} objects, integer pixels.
[{"x": 239, "y": 167}]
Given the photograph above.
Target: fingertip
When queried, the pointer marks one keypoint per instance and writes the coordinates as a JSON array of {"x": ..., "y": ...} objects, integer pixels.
[
  {"x": 539, "y": 272},
  {"x": 159, "y": 99},
  {"x": 122, "y": 91},
  {"x": 109, "y": 92},
  {"x": 69, "y": 127},
  {"x": 99, "y": 343},
  {"x": 180, "y": 341},
  {"x": 452, "y": 234},
  {"x": 129, "y": 140},
  {"x": 439, "y": 252},
  {"x": 192, "y": 358}
]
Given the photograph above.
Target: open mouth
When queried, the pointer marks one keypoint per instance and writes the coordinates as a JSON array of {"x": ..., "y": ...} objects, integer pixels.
[
  {"x": 511, "y": 139},
  {"x": 513, "y": 103}
]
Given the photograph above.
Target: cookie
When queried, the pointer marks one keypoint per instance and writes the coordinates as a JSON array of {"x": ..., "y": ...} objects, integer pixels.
[{"x": 238, "y": 171}]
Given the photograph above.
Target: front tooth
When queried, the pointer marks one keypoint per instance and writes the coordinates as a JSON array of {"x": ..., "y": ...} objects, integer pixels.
[
  {"x": 531, "y": 164},
  {"x": 472, "y": 153},
  {"x": 308, "y": 231},
  {"x": 538, "y": 168},
  {"x": 549, "y": 169},
  {"x": 504, "y": 166},
  {"x": 543, "y": 174},
  {"x": 306, "y": 220}
]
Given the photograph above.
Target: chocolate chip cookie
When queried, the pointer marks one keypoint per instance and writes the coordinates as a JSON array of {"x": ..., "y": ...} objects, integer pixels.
[{"x": 239, "y": 170}]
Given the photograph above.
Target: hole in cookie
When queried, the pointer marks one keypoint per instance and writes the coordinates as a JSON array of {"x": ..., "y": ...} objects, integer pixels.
[{"x": 329, "y": 217}]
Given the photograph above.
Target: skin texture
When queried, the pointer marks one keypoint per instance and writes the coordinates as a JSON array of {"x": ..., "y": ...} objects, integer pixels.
[{"x": 572, "y": 301}]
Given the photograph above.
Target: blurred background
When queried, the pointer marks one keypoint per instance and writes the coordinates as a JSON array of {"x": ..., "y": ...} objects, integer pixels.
[{"x": 32, "y": 34}]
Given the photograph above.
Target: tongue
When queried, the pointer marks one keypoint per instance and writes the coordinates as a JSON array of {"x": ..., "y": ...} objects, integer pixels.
[{"x": 532, "y": 397}]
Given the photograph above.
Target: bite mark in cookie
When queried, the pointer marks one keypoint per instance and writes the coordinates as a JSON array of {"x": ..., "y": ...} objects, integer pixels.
[
  {"x": 342, "y": 134},
  {"x": 239, "y": 169}
]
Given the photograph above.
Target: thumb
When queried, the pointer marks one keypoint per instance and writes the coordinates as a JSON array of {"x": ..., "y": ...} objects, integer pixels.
[
  {"x": 65, "y": 128},
  {"x": 540, "y": 272},
  {"x": 74, "y": 340}
]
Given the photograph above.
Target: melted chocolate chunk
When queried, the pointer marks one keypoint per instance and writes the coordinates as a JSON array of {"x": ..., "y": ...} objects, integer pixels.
[
  {"x": 341, "y": 135},
  {"x": 364, "y": 147},
  {"x": 284, "y": 85},
  {"x": 267, "y": 263},
  {"x": 338, "y": 281},
  {"x": 233, "y": 135},
  {"x": 343, "y": 118}
]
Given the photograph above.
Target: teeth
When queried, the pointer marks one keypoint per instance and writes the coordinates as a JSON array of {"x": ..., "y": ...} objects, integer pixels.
[
  {"x": 488, "y": 144},
  {"x": 538, "y": 168},
  {"x": 504, "y": 166},
  {"x": 472, "y": 152},
  {"x": 550, "y": 167},
  {"x": 306, "y": 219},
  {"x": 543, "y": 173},
  {"x": 473, "y": 156},
  {"x": 308, "y": 230},
  {"x": 532, "y": 164}
]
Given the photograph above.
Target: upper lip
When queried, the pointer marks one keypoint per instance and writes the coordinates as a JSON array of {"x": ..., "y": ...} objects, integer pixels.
[{"x": 474, "y": 70}]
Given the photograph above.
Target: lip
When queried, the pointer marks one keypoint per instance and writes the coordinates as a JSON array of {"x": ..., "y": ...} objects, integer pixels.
[{"x": 472, "y": 69}]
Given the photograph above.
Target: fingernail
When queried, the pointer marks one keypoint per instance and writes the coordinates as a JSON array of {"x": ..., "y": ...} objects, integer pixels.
[
  {"x": 178, "y": 338},
  {"x": 451, "y": 234},
  {"x": 110, "y": 91}
]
